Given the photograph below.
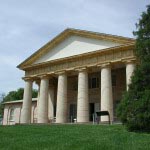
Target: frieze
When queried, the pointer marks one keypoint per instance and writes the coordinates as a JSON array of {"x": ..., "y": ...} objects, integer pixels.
[{"x": 82, "y": 61}]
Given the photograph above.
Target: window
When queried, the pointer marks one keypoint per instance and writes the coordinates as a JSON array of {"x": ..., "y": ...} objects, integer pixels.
[
  {"x": 73, "y": 111},
  {"x": 114, "y": 80},
  {"x": 93, "y": 82},
  {"x": 75, "y": 86},
  {"x": 11, "y": 117}
]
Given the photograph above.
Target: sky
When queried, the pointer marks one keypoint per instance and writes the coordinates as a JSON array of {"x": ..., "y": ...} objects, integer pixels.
[{"x": 26, "y": 25}]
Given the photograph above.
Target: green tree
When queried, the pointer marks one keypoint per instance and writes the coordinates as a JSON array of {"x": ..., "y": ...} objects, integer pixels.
[
  {"x": 134, "y": 109},
  {"x": 18, "y": 95},
  {"x": 2, "y": 95}
]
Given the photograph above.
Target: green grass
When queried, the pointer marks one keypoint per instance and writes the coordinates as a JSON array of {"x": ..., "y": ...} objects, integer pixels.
[{"x": 71, "y": 137}]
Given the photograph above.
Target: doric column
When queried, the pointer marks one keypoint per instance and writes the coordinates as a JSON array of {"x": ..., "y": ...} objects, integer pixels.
[
  {"x": 61, "y": 112},
  {"x": 83, "y": 97},
  {"x": 38, "y": 95},
  {"x": 27, "y": 102},
  {"x": 130, "y": 66},
  {"x": 43, "y": 101},
  {"x": 51, "y": 100},
  {"x": 106, "y": 92}
]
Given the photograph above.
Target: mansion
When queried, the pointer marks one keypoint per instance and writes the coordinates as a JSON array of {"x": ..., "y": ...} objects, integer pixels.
[{"x": 78, "y": 73}]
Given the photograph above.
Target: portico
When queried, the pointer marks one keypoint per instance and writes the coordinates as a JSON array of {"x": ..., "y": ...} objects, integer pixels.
[{"x": 77, "y": 84}]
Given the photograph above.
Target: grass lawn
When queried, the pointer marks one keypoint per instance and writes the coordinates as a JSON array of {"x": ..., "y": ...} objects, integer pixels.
[{"x": 71, "y": 137}]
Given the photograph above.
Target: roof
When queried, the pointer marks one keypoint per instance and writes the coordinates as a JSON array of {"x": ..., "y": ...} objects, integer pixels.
[
  {"x": 18, "y": 101},
  {"x": 68, "y": 32}
]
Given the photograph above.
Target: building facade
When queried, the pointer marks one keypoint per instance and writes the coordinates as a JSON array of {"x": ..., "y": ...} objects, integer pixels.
[
  {"x": 78, "y": 73},
  {"x": 12, "y": 112}
]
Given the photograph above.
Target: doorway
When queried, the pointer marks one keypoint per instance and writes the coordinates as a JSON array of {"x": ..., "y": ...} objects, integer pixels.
[
  {"x": 92, "y": 108},
  {"x": 73, "y": 112}
]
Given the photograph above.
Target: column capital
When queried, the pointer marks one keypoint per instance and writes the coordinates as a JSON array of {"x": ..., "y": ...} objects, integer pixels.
[
  {"x": 129, "y": 61},
  {"x": 28, "y": 79},
  {"x": 44, "y": 76},
  {"x": 104, "y": 65},
  {"x": 81, "y": 69},
  {"x": 61, "y": 72},
  {"x": 50, "y": 74}
]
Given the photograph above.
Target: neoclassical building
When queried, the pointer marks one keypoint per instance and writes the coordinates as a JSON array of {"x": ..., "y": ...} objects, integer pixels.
[{"x": 78, "y": 73}]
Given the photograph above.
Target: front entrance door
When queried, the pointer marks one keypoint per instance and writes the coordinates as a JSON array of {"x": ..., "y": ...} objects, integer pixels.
[
  {"x": 91, "y": 111},
  {"x": 73, "y": 112}
]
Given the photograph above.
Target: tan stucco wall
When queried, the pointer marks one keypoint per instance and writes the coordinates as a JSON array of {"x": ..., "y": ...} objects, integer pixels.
[
  {"x": 17, "y": 113},
  {"x": 17, "y": 108}
]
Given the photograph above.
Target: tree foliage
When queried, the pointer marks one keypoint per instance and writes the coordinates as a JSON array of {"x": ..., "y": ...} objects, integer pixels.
[
  {"x": 17, "y": 95},
  {"x": 134, "y": 109}
]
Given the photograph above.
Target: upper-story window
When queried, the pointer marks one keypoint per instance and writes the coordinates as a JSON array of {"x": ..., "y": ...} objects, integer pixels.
[
  {"x": 11, "y": 117},
  {"x": 93, "y": 82},
  {"x": 73, "y": 83},
  {"x": 75, "y": 86},
  {"x": 114, "y": 80}
]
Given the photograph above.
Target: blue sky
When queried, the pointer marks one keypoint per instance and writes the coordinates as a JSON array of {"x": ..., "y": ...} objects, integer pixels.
[{"x": 26, "y": 25}]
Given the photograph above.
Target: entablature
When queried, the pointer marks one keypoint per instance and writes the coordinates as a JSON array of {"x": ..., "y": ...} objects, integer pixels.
[{"x": 111, "y": 55}]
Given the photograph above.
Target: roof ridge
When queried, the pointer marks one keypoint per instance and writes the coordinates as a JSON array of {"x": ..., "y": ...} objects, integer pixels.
[{"x": 99, "y": 33}]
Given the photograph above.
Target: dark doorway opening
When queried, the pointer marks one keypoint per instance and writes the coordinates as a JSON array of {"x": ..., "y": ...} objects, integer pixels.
[
  {"x": 54, "y": 110},
  {"x": 73, "y": 112},
  {"x": 91, "y": 111}
]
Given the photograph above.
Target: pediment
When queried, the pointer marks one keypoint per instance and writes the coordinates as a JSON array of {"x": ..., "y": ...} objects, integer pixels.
[
  {"x": 75, "y": 45},
  {"x": 73, "y": 42}
]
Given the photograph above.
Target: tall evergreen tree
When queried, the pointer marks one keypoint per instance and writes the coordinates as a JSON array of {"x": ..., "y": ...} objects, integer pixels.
[{"x": 134, "y": 109}]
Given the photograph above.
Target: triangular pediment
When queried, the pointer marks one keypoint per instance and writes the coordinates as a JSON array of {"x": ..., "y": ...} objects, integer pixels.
[
  {"x": 75, "y": 45},
  {"x": 73, "y": 42}
]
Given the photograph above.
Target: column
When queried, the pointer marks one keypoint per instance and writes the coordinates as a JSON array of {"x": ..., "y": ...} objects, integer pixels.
[
  {"x": 27, "y": 102},
  {"x": 51, "y": 101},
  {"x": 61, "y": 112},
  {"x": 130, "y": 66},
  {"x": 83, "y": 97},
  {"x": 43, "y": 101},
  {"x": 38, "y": 95},
  {"x": 106, "y": 92}
]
